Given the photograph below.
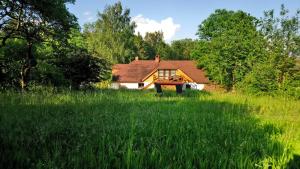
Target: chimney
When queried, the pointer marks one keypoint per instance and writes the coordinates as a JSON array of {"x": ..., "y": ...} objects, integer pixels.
[
  {"x": 136, "y": 58},
  {"x": 157, "y": 58}
]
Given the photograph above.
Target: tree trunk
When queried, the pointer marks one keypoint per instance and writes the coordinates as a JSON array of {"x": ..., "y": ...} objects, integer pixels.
[{"x": 29, "y": 62}]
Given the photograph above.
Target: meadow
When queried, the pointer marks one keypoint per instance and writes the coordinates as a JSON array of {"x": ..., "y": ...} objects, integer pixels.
[{"x": 137, "y": 129}]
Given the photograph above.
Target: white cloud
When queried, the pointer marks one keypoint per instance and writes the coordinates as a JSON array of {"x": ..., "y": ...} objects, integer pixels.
[
  {"x": 167, "y": 26},
  {"x": 87, "y": 13},
  {"x": 90, "y": 18}
]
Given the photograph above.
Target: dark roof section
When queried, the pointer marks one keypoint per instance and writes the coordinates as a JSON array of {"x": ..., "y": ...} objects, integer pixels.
[{"x": 137, "y": 70}]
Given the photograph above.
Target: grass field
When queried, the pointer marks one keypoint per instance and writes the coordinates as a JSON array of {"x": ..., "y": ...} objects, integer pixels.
[{"x": 136, "y": 129}]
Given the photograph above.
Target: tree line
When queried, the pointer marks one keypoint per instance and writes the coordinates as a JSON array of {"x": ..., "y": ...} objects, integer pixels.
[
  {"x": 46, "y": 47},
  {"x": 254, "y": 55}
]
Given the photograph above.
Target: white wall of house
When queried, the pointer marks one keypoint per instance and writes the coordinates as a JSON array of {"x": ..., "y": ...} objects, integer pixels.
[
  {"x": 194, "y": 86},
  {"x": 130, "y": 85},
  {"x": 115, "y": 85},
  {"x": 200, "y": 86}
]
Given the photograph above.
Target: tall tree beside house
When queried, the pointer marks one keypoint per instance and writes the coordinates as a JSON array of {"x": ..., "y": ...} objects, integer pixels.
[
  {"x": 81, "y": 68},
  {"x": 229, "y": 45},
  {"x": 33, "y": 22},
  {"x": 183, "y": 48},
  {"x": 70, "y": 64},
  {"x": 152, "y": 40},
  {"x": 142, "y": 49},
  {"x": 112, "y": 35},
  {"x": 283, "y": 47},
  {"x": 282, "y": 34},
  {"x": 155, "y": 44}
]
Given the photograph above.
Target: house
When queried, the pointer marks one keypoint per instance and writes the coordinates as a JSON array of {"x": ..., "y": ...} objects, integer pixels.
[{"x": 148, "y": 74}]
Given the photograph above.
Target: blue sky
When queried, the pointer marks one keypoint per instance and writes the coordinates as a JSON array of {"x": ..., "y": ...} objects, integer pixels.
[{"x": 176, "y": 18}]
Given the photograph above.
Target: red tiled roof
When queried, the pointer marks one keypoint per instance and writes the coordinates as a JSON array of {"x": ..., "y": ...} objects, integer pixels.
[
  {"x": 134, "y": 71},
  {"x": 137, "y": 70}
]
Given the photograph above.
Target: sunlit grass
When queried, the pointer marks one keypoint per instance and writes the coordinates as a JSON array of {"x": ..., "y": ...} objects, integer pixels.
[{"x": 136, "y": 129}]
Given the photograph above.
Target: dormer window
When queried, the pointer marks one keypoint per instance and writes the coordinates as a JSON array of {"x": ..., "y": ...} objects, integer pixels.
[{"x": 165, "y": 74}]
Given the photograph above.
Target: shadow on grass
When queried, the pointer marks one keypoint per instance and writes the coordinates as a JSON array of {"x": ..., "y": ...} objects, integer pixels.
[
  {"x": 139, "y": 133},
  {"x": 294, "y": 163}
]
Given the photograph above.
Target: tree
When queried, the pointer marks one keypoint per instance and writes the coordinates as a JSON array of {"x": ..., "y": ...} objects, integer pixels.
[
  {"x": 141, "y": 49},
  {"x": 183, "y": 48},
  {"x": 220, "y": 21},
  {"x": 11, "y": 62},
  {"x": 80, "y": 68},
  {"x": 278, "y": 72},
  {"x": 228, "y": 47},
  {"x": 50, "y": 53},
  {"x": 155, "y": 44},
  {"x": 33, "y": 21},
  {"x": 112, "y": 35},
  {"x": 282, "y": 35}
]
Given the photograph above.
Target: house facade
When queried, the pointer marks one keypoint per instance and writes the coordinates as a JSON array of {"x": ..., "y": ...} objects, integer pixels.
[{"x": 146, "y": 74}]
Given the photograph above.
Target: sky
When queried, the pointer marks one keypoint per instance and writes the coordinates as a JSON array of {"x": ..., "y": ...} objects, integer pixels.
[{"x": 177, "y": 19}]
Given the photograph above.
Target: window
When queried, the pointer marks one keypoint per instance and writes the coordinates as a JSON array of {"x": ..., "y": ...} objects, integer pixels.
[
  {"x": 173, "y": 73},
  {"x": 165, "y": 74},
  {"x": 141, "y": 85},
  {"x": 161, "y": 74}
]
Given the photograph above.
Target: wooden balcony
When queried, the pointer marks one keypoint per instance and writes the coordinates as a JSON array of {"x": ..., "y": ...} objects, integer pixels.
[{"x": 172, "y": 80}]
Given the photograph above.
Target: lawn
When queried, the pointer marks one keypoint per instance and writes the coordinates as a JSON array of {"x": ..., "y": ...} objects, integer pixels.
[{"x": 136, "y": 129}]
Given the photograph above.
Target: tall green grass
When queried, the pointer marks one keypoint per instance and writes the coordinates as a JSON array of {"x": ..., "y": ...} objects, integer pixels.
[{"x": 136, "y": 129}]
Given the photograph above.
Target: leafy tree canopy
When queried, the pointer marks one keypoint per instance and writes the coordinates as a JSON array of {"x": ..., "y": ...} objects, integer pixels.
[
  {"x": 283, "y": 47},
  {"x": 229, "y": 46},
  {"x": 112, "y": 35},
  {"x": 221, "y": 21},
  {"x": 34, "y": 22},
  {"x": 183, "y": 48}
]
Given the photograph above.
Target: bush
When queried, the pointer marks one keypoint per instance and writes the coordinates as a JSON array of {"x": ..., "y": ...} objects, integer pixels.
[
  {"x": 81, "y": 68},
  {"x": 261, "y": 80},
  {"x": 49, "y": 75}
]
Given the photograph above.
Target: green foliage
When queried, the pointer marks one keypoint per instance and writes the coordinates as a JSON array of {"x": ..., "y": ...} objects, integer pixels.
[
  {"x": 140, "y": 47},
  {"x": 48, "y": 74},
  {"x": 278, "y": 72},
  {"x": 257, "y": 56},
  {"x": 237, "y": 50},
  {"x": 62, "y": 63},
  {"x": 134, "y": 129},
  {"x": 112, "y": 35},
  {"x": 282, "y": 35},
  {"x": 80, "y": 68},
  {"x": 183, "y": 48},
  {"x": 221, "y": 21},
  {"x": 77, "y": 39},
  {"x": 11, "y": 61},
  {"x": 229, "y": 46},
  {"x": 155, "y": 45},
  {"x": 33, "y": 21},
  {"x": 262, "y": 79}
]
